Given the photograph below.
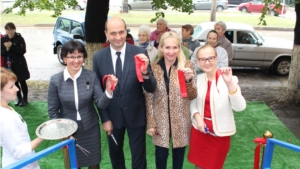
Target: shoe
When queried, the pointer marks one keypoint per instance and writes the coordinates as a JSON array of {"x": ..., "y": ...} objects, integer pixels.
[
  {"x": 23, "y": 103},
  {"x": 17, "y": 103}
]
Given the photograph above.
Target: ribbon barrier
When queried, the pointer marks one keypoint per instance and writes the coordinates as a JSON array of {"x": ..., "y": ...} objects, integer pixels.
[
  {"x": 112, "y": 87},
  {"x": 139, "y": 67},
  {"x": 260, "y": 141},
  {"x": 71, "y": 150},
  {"x": 182, "y": 84}
]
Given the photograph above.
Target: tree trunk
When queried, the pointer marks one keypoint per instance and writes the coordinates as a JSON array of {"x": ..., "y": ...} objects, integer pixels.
[
  {"x": 125, "y": 6},
  {"x": 95, "y": 18},
  {"x": 293, "y": 93},
  {"x": 213, "y": 10}
]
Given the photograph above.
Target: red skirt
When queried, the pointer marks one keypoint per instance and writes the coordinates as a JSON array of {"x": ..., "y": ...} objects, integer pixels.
[{"x": 207, "y": 151}]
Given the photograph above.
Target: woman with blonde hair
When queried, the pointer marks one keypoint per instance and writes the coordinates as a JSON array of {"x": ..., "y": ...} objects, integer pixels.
[
  {"x": 211, "y": 112},
  {"x": 168, "y": 114},
  {"x": 14, "y": 136}
]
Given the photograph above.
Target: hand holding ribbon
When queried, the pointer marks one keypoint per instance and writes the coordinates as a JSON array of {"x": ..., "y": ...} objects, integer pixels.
[
  {"x": 182, "y": 85},
  {"x": 141, "y": 64},
  {"x": 109, "y": 84}
]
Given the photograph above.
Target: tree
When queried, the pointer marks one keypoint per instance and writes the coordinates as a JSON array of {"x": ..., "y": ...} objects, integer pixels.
[
  {"x": 292, "y": 90},
  {"x": 213, "y": 10}
]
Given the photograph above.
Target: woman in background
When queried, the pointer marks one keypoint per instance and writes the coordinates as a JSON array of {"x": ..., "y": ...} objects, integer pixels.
[
  {"x": 168, "y": 114},
  {"x": 72, "y": 94},
  {"x": 14, "y": 136},
  {"x": 144, "y": 42},
  {"x": 13, "y": 47},
  {"x": 211, "y": 112}
]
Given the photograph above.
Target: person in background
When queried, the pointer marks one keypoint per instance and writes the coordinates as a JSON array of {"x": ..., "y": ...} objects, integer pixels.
[
  {"x": 211, "y": 112},
  {"x": 2, "y": 57},
  {"x": 168, "y": 115},
  {"x": 144, "y": 42},
  {"x": 161, "y": 28},
  {"x": 13, "y": 47},
  {"x": 187, "y": 39},
  {"x": 212, "y": 40},
  {"x": 14, "y": 136},
  {"x": 220, "y": 27},
  {"x": 127, "y": 111},
  {"x": 72, "y": 94}
]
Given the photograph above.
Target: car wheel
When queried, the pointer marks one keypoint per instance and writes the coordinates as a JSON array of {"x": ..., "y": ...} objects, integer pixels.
[
  {"x": 58, "y": 53},
  {"x": 129, "y": 7},
  {"x": 154, "y": 8},
  {"x": 77, "y": 8},
  {"x": 194, "y": 8},
  {"x": 282, "y": 66},
  {"x": 273, "y": 13},
  {"x": 244, "y": 9},
  {"x": 220, "y": 8}
]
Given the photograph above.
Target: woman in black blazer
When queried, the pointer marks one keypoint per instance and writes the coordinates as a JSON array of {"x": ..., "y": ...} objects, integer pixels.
[{"x": 72, "y": 94}]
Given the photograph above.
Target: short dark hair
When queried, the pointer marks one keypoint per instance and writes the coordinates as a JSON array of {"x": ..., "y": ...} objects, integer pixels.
[
  {"x": 71, "y": 46},
  {"x": 9, "y": 25},
  {"x": 212, "y": 31},
  {"x": 188, "y": 27}
]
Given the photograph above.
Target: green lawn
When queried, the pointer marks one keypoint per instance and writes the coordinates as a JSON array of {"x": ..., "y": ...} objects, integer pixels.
[{"x": 143, "y": 17}]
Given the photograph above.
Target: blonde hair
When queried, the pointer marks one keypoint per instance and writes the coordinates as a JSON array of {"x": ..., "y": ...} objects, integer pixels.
[
  {"x": 172, "y": 35},
  {"x": 203, "y": 47},
  {"x": 6, "y": 75}
]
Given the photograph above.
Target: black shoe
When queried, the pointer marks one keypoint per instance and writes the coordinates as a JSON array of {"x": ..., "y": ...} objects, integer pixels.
[
  {"x": 17, "y": 103},
  {"x": 23, "y": 103}
]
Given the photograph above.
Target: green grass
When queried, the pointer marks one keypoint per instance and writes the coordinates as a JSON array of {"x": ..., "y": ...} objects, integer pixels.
[
  {"x": 143, "y": 17},
  {"x": 251, "y": 123}
]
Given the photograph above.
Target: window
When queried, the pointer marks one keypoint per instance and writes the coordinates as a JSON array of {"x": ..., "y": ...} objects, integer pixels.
[
  {"x": 76, "y": 29},
  {"x": 244, "y": 37},
  {"x": 64, "y": 25},
  {"x": 229, "y": 35}
]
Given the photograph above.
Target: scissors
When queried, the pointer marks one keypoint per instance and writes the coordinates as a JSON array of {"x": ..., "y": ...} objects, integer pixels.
[
  {"x": 208, "y": 132},
  {"x": 113, "y": 137},
  {"x": 85, "y": 151}
]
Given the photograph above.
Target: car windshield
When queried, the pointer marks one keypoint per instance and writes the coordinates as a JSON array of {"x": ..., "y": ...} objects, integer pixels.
[
  {"x": 258, "y": 36},
  {"x": 197, "y": 31}
]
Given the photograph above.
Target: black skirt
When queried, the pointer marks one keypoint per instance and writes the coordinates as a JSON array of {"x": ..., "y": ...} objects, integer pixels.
[{"x": 90, "y": 140}]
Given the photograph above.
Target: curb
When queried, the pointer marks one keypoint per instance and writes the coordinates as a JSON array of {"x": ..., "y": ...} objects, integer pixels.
[{"x": 179, "y": 26}]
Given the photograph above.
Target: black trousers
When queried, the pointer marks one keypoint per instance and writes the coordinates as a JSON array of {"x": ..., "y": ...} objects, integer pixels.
[
  {"x": 23, "y": 88},
  {"x": 137, "y": 143},
  {"x": 161, "y": 157}
]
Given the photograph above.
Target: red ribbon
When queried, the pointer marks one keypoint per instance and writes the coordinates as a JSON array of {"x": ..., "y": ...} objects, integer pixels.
[
  {"x": 139, "y": 67},
  {"x": 260, "y": 142},
  {"x": 182, "y": 84},
  {"x": 112, "y": 87},
  {"x": 218, "y": 74}
]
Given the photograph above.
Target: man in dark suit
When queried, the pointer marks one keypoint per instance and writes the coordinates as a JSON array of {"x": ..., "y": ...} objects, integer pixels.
[{"x": 127, "y": 111}]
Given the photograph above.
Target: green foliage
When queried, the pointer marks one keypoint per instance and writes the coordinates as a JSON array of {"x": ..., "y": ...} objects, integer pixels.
[
  {"x": 175, "y": 5},
  {"x": 56, "y": 5}
]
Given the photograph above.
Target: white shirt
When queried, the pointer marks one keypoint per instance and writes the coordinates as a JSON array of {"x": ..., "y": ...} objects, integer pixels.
[
  {"x": 14, "y": 139},
  {"x": 114, "y": 56},
  {"x": 66, "y": 77}
]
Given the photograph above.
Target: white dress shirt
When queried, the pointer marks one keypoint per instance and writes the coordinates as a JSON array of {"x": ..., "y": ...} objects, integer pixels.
[
  {"x": 14, "y": 139},
  {"x": 114, "y": 56}
]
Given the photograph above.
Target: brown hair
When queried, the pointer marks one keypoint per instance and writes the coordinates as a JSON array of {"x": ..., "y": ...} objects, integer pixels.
[
  {"x": 9, "y": 26},
  {"x": 188, "y": 27},
  {"x": 6, "y": 75},
  {"x": 212, "y": 31}
]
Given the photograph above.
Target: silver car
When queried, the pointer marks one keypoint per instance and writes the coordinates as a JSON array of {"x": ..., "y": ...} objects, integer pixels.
[
  {"x": 140, "y": 4},
  {"x": 206, "y": 5},
  {"x": 252, "y": 50}
]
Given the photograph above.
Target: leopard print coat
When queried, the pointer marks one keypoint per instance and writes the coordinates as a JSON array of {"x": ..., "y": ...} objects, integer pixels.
[{"x": 157, "y": 108}]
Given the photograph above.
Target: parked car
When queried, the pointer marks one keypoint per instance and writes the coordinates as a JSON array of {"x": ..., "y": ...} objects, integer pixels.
[
  {"x": 257, "y": 6},
  {"x": 206, "y": 5},
  {"x": 140, "y": 4},
  {"x": 69, "y": 27},
  {"x": 250, "y": 49},
  {"x": 81, "y": 5},
  {"x": 7, "y": 4}
]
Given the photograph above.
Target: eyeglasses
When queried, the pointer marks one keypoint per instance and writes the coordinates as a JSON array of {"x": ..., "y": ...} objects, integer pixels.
[
  {"x": 210, "y": 59},
  {"x": 73, "y": 58}
]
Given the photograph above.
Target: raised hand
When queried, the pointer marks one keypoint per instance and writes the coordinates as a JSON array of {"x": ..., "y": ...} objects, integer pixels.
[
  {"x": 111, "y": 80},
  {"x": 188, "y": 73},
  {"x": 226, "y": 73},
  {"x": 145, "y": 59}
]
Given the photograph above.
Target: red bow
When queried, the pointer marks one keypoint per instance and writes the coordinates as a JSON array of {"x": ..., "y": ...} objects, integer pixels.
[
  {"x": 260, "y": 141},
  {"x": 112, "y": 87},
  {"x": 139, "y": 66},
  {"x": 182, "y": 84}
]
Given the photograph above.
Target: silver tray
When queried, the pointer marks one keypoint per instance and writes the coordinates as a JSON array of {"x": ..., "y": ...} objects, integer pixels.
[{"x": 56, "y": 129}]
